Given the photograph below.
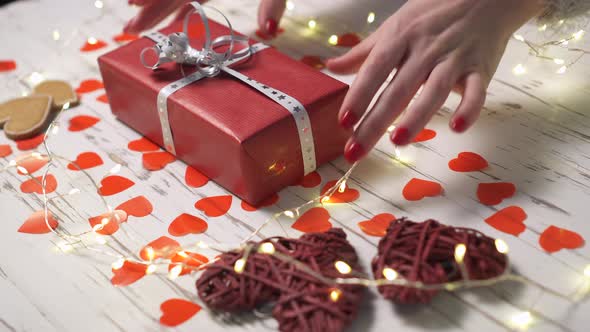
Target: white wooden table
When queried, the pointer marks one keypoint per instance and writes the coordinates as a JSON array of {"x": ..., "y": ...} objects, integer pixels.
[{"x": 534, "y": 131}]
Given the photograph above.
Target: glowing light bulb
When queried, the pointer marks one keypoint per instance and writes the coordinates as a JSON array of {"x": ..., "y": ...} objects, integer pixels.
[
  {"x": 543, "y": 27},
  {"x": 289, "y": 214},
  {"x": 519, "y": 37},
  {"x": 560, "y": 22},
  {"x": 202, "y": 245},
  {"x": 239, "y": 265},
  {"x": 12, "y": 163},
  {"x": 562, "y": 70},
  {"x": 325, "y": 199},
  {"x": 460, "y": 251},
  {"x": 290, "y": 5},
  {"x": 578, "y": 35},
  {"x": 501, "y": 246},
  {"x": 333, "y": 40},
  {"x": 98, "y": 4},
  {"x": 101, "y": 240},
  {"x": 342, "y": 267},
  {"x": 175, "y": 272},
  {"x": 390, "y": 129},
  {"x": 587, "y": 271},
  {"x": 335, "y": 294},
  {"x": 92, "y": 41},
  {"x": 36, "y": 78},
  {"x": 151, "y": 269},
  {"x": 397, "y": 153},
  {"x": 519, "y": 69},
  {"x": 118, "y": 264},
  {"x": 342, "y": 187},
  {"x": 116, "y": 169},
  {"x": 564, "y": 42},
  {"x": 74, "y": 191},
  {"x": 105, "y": 221},
  {"x": 522, "y": 319},
  {"x": 312, "y": 24},
  {"x": 22, "y": 170},
  {"x": 55, "y": 130},
  {"x": 150, "y": 253},
  {"x": 371, "y": 18},
  {"x": 267, "y": 248},
  {"x": 56, "y": 35},
  {"x": 97, "y": 227},
  {"x": 65, "y": 247},
  {"x": 389, "y": 274},
  {"x": 558, "y": 61},
  {"x": 182, "y": 254}
]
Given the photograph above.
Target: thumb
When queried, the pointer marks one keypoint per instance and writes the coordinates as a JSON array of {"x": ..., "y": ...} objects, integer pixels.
[{"x": 269, "y": 15}]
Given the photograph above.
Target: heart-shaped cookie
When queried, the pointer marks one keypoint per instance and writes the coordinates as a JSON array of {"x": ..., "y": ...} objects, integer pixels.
[
  {"x": 25, "y": 117},
  {"x": 61, "y": 92}
]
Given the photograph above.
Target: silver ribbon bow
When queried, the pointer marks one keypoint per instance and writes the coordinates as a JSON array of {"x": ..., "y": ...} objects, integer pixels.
[{"x": 176, "y": 48}]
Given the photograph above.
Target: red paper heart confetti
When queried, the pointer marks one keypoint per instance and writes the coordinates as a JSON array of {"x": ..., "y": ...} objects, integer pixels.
[
  {"x": 509, "y": 220},
  {"x": 267, "y": 202},
  {"x": 554, "y": 239},
  {"x": 155, "y": 161},
  {"x": 114, "y": 184},
  {"x": 7, "y": 65},
  {"x": 103, "y": 98},
  {"x": 177, "y": 311},
  {"x": 313, "y": 61},
  {"x": 129, "y": 273},
  {"x": 142, "y": 145},
  {"x": 162, "y": 247},
  {"x": 31, "y": 143},
  {"x": 468, "y": 162},
  {"x": 377, "y": 226},
  {"x": 31, "y": 163},
  {"x": 110, "y": 222},
  {"x": 190, "y": 261},
  {"x": 214, "y": 206},
  {"x": 82, "y": 122},
  {"x": 89, "y": 85},
  {"x": 494, "y": 193},
  {"x": 417, "y": 189},
  {"x": 138, "y": 207},
  {"x": 5, "y": 150},
  {"x": 93, "y": 44},
  {"x": 36, "y": 223},
  {"x": 186, "y": 224},
  {"x": 347, "y": 196},
  {"x": 348, "y": 40},
  {"x": 194, "y": 178},
  {"x": 85, "y": 160},
  {"x": 35, "y": 185},
  {"x": 311, "y": 180},
  {"x": 316, "y": 219},
  {"x": 125, "y": 37},
  {"x": 425, "y": 135}
]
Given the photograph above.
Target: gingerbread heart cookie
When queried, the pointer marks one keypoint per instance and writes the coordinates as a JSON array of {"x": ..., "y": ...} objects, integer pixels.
[
  {"x": 25, "y": 117},
  {"x": 61, "y": 92}
]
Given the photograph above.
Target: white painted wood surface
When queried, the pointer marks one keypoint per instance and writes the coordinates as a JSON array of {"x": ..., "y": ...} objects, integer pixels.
[{"x": 534, "y": 131}]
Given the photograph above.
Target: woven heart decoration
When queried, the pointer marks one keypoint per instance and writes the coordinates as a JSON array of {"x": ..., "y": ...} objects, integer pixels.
[
  {"x": 302, "y": 301},
  {"x": 425, "y": 252}
]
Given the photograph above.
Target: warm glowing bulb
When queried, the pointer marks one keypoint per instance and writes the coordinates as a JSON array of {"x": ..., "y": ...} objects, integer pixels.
[
  {"x": 116, "y": 169},
  {"x": 65, "y": 247},
  {"x": 325, "y": 199},
  {"x": 182, "y": 254},
  {"x": 562, "y": 70},
  {"x": 22, "y": 170},
  {"x": 389, "y": 274},
  {"x": 175, "y": 272},
  {"x": 12, "y": 163},
  {"x": 522, "y": 320},
  {"x": 312, "y": 24},
  {"x": 55, "y": 130},
  {"x": 202, "y": 245},
  {"x": 342, "y": 187},
  {"x": 560, "y": 22},
  {"x": 543, "y": 27},
  {"x": 501, "y": 246},
  {"x": 397, "y": 153},
  {"x": 97, "y": 227},
  {"x": 105, "y": 221},
  {"x": 371, "y": 17},
  {"x": 564, "y": 42},
  {"x": 150, "y": 253},
  {"x": 578, "y": 35},
  {"x": 151, "y": 269},
  {"x": 118, "y": 264},
  {"x": 92, "y": 41},
  {"x": 239, "y": 265},
  {"x": 558, "y": 61},
  {"x": 56, "y": 35},
  {"x": 98, "y": 4},
  {"x": 267, "y": 248},
  {"x": 335, "y": 294},
  {"x": 36, "y": 78},
  {"x": 289, "y": 214},
  {"x": 333, "y": 40},
  {"x": 342, "y": 267},
  {"x": 100, "y": 240},
  {"x": 290, "y": 5},
  {"x": 74, "y": 191},
  {"x": 519, "y": 37},
  {"x": 587, "y": 271},
  {"x": 519, "y": 69},
  {"x": 460, "y": 251},
  {"x": 390, "y": 129}
]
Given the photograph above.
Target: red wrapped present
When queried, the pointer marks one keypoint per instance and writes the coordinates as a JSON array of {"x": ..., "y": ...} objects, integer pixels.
[{"x": 254, "y": 129}]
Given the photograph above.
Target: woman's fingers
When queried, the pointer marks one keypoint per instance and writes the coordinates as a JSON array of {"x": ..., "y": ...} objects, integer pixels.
[
  {"x": 474, "y": 96},
  {"x": 351, "y": 61},
  {"x": 269, "y": 15},
  {"x": 436, "y": 89},
  {"x": 152, "y": 13},
  {"x": 391, "y": 103}
]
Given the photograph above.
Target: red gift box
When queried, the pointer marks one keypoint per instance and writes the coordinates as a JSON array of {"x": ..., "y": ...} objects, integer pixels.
[{"x": 232, "y": 133}]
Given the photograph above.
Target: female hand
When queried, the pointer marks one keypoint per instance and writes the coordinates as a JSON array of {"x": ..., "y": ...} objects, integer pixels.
[{"x": 443, "y": 45}]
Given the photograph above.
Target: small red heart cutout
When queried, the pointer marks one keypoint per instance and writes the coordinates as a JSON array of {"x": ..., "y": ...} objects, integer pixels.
[
  {"x": 142, "y": 145},
  {"x": 82, "y": 122},
  {"x": 110, "y": 222},
  {"x": 509, "y": 220},
  {"x": 194, "y": 178},
  {"x": 93, "y": 45},
  {"x": 191, "y": 261},
  {"x": 313, "y": 61},
  {"x": 103, "y": 98},
  {"x": 186, "y": 224},
  {"x": 214, "y": 206},
  {"x": 85, "y": 160},
  {"x": 425, "y": 135},
  {"x": 5, "y": 150},
  {"x": 90, "y": 85},
  {"x": 267, "y": 202},
  {"x": 311, "y": 180},
  {"x": 36, "y": 223},
  {"x": 163, "y": 247},
  {"x": 347, "y": 196},
  {"x": 554, "y": 239},
  {"x": 177, "y": 311},
  {"x": 35, "y": 185},
  {"x": 314, "y": 220},
  {"x": 468, "y": 162},
  {"x": 417, "y": 189},
  {"x": 348, "y": 40},
  {"x": 138, "y": 207},
  {"x": 495, "y": 193},
  {"x": 129, "y": 273},
  {"x": 114, "y": 184},
  {"x": 31, "y": 163},
  {"x": 377, "y": 226},
  {"x": 7, "y": 65},
  {"x": 31, "y": 143},
  {"x": 155, "y": 161},
  {"x": 125, "y": 37}
]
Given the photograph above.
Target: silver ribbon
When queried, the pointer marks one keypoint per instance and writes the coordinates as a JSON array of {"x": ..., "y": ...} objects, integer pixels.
[{"x": 176, "y": 48}]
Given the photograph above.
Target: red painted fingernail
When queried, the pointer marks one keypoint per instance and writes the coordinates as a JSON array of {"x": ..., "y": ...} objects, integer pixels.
[
  {"x": 271, "y": 26},
  {"x": 400, "y": 136},
  {"x": 348, "y": 120},
  {"x": 354, "y": 152},
  {"x": 458, "y": 124}
]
